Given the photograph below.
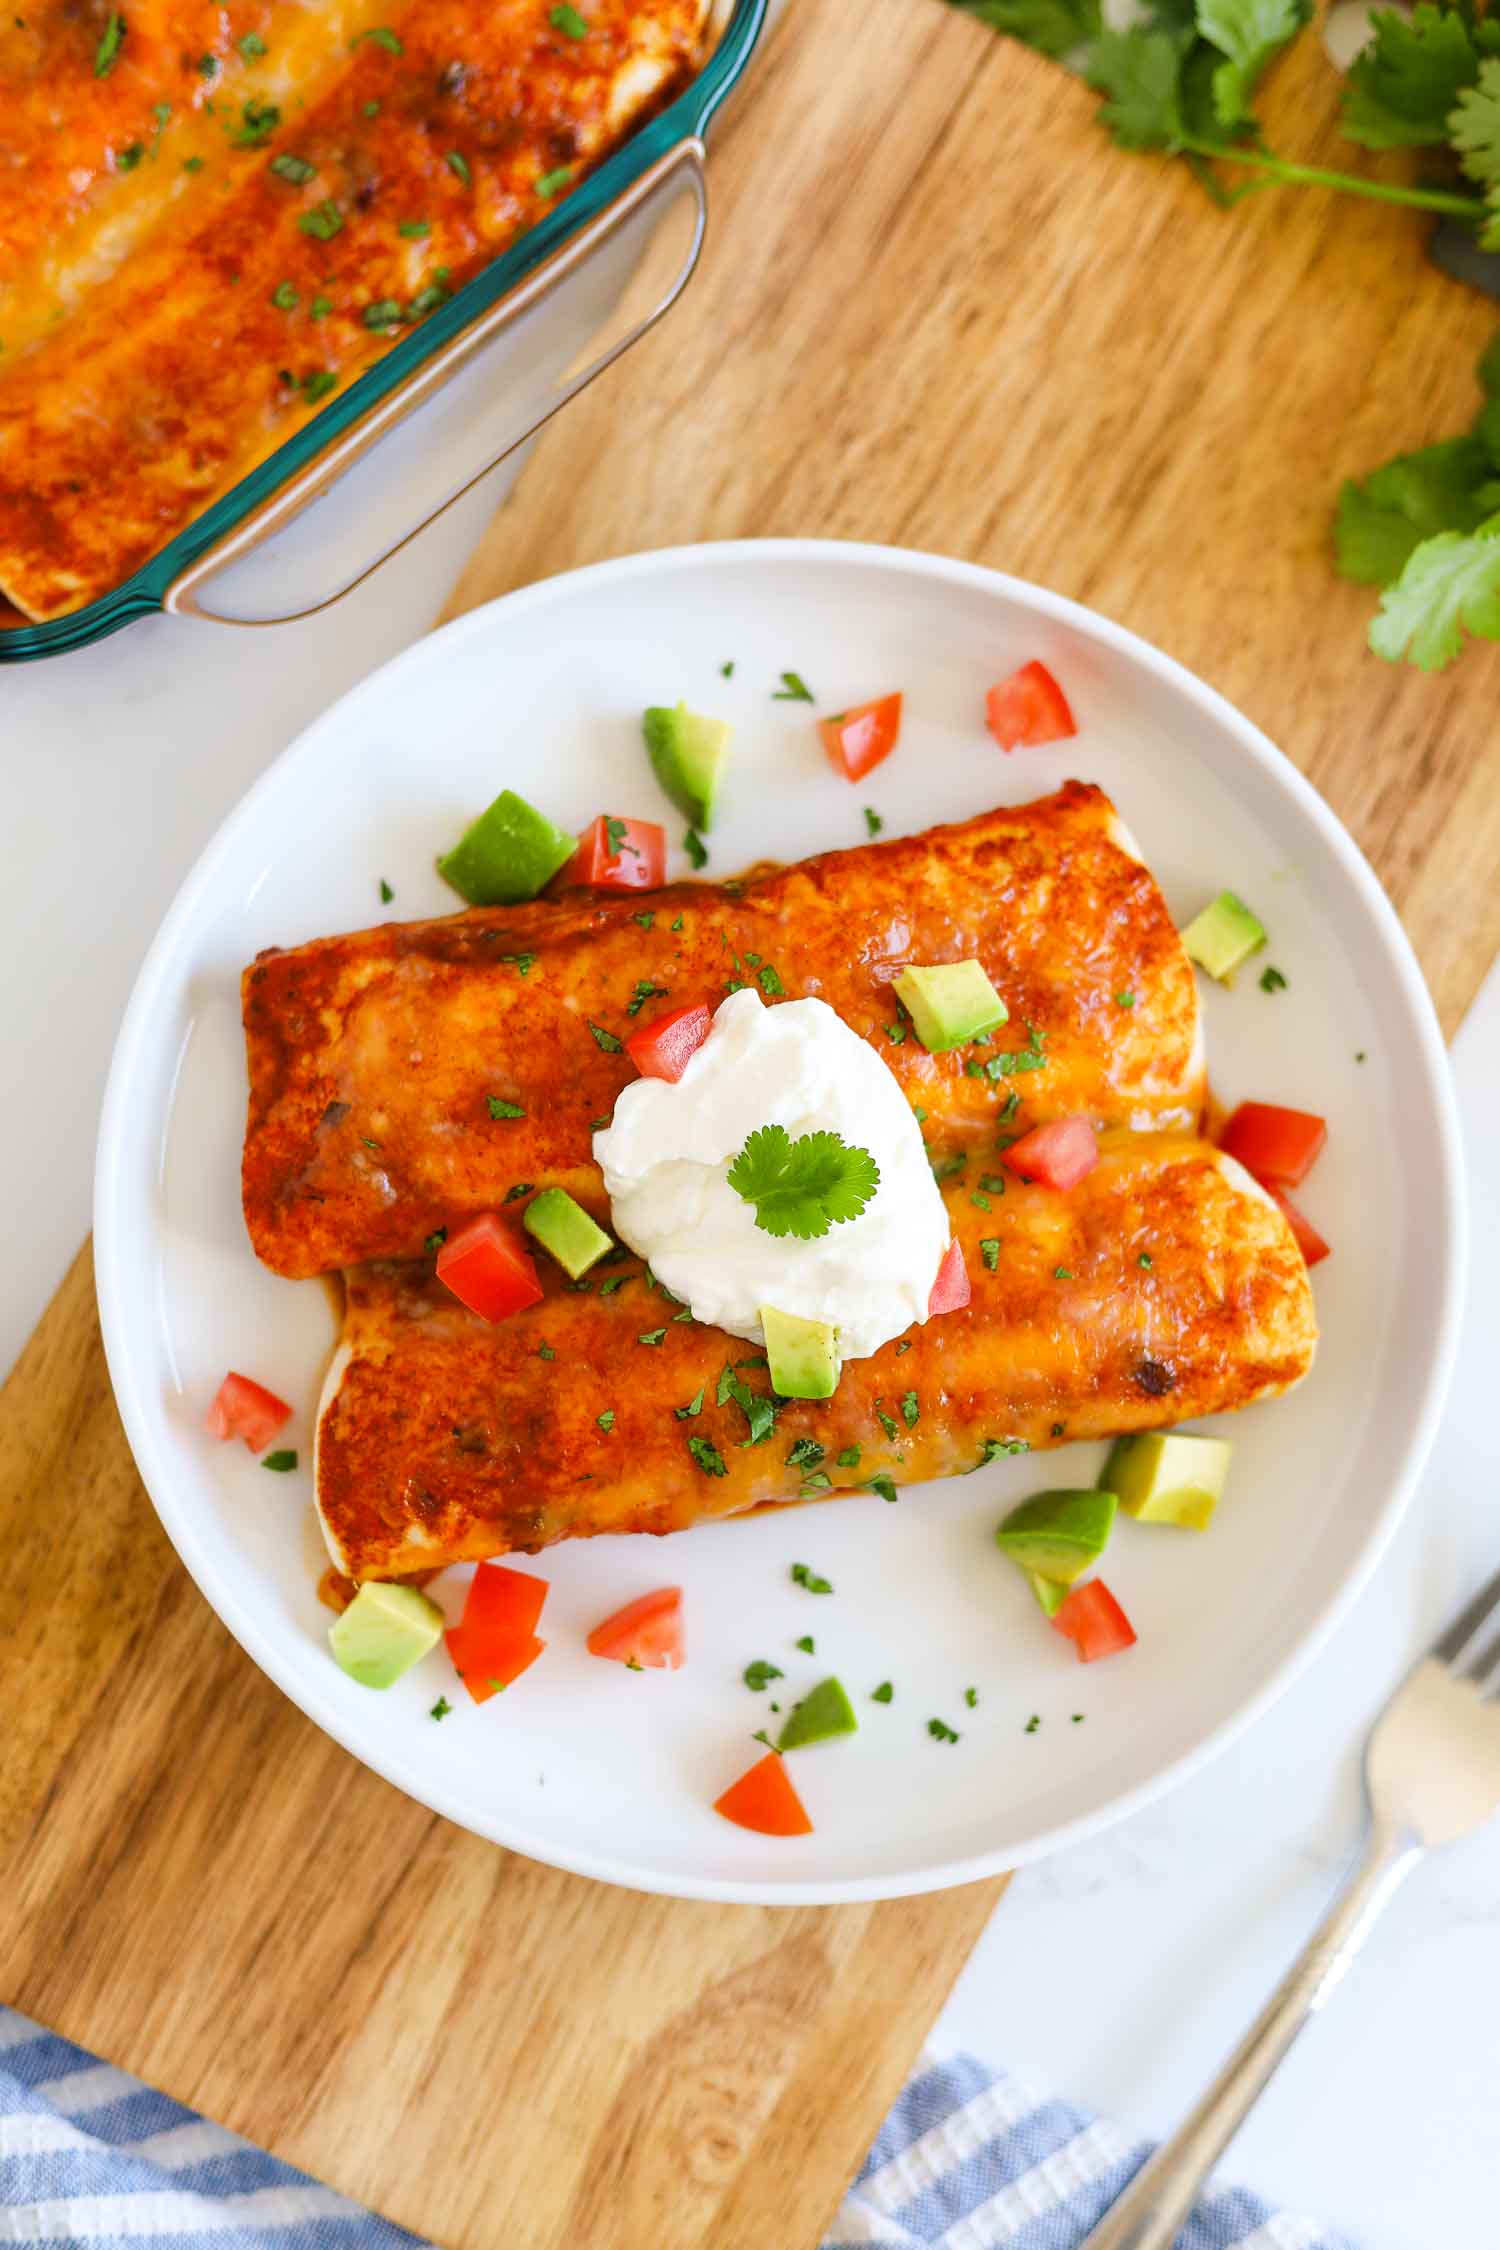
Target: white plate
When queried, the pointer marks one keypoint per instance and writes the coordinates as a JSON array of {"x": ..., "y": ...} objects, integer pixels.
[{"x": 612, "y": 1773}]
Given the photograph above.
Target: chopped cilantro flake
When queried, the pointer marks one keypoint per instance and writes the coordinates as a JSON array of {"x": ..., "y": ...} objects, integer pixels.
[
  {"x": 646, "y": 921},
  {"x": 651, "y": 1336},
  {"x": 805, "y": 1454},
  {"x": 284, "y": 297},
  {"x": 293, "y": 168},
  {"x": 770, "y": 982},
  {"x": 520, "y": 1188},
  {"x": 379, "y": 35},
  {"x": 1124, "y": 999},
  {"x": 805, "y": 1576},
  {"x": 1272, "y": 980},
  {"x": 883, "y": 1693},
  {"x": 694, "y": 1406},
  {"x": 911, "y": 1410},
  {"x": 885, "y": 1486},
  {"x": 435, "y": 1240},
  {"x": 280, "y": 1462},
  {"x": 761, "y": 1673},
  {"x": 568, "y": 21},
  {"x": 415, "y": 229},
  {"x": 606, "y": 1420},
  {"x": 940, "y": 1731},
  {"x": 499, "y": 1108},
  {"x": 545, "y": 1351},
  {"x": 1144, "y": 1260},
  {"x": 849, "y": 1458},
  {"x": 550, "y": 182},
  {"x": 605, "y": 1039},
  {"x": 251, "y": 46},
  {"x": 708, "y": 1457},
  {"x": 459, "y": 166},
  {"x": 873, "y": 821},
  {"x": 323, "y": 221},
  {"x": 696, "y": 849},
  {"x": 107, "y": 53},
  {"x": 440, "y": 1709},
  {"x": 971, "y": 1696},
  {"x": 793, "y": 689}
]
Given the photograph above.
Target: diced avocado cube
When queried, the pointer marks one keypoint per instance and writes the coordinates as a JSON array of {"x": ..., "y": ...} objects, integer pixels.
[
  {"x": 383, "y": 1633},
  {"x": 1049, "y": 1592},
  {"x": 803, "y": 1354},
  {"x": 508, "y": 854},
  {"x": 1223, "y": 935},
  {"x": 825, "y": 1711},
  {"x": 1165, "y": 1476},
  {"x": 688, "y": 755},
  {"x": 950, "y": 1002},
  {"x": 564, "y": 1228},
  {"x": 1058, "y": 1534}
]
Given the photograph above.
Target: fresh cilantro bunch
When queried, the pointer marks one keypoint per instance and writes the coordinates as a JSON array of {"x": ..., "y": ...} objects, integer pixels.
[
  {"x": 1181, "y": 80},
  {"x": 806, "y": 1186}
]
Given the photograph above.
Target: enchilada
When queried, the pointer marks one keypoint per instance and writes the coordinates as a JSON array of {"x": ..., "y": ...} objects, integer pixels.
[
  {"x": 373, "y": 1057},
  {"x": 1166, "y": 1286}
]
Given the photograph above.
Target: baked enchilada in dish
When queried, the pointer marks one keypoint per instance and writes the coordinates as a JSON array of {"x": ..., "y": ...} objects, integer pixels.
[{"x": 211, "y": 220}]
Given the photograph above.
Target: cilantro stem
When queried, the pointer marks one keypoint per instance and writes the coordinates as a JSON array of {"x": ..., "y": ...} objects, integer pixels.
[{"x": 1282, "y": 173}]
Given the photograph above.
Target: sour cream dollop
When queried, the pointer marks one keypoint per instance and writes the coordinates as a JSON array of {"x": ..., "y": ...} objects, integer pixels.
[{"x": 667, "y": 1151}]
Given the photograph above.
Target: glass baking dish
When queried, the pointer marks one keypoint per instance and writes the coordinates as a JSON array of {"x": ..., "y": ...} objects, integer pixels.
[{"x": 303, "y": 557}]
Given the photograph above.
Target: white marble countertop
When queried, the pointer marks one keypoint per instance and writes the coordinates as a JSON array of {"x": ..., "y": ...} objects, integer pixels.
[{"x": 1120, "y": 1971}]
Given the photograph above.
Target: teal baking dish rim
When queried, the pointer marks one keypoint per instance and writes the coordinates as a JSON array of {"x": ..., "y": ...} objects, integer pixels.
[{"x": 146, "y": 589}]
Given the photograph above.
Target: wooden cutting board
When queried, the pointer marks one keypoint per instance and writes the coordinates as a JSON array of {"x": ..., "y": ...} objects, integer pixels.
[{"x": 936, "y": 308}]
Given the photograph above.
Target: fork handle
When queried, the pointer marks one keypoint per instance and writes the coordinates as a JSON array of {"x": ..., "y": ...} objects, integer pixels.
[{"x": 1158, "y": 2200}]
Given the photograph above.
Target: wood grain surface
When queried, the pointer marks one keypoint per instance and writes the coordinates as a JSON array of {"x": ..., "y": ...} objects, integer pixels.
[{"x": 936, "y": 308}]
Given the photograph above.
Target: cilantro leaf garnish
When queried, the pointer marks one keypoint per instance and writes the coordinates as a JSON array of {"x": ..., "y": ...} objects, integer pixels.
[
  {"x": 1450, "y": 584},
  {"x": 885, "y": 1486},
  {"x": 107, "y": 53},
  {"x": 499, "y": 1108},
  {"x": 696, "y": 849},
  {"x": 605, "y": 1039},
  {"x": 568, "y": 21},
  {"x": 883, "y": 1693},
  {"x": 1272, "y": 980},
  {"x": 805, "y": 1454},
  {"x": 694, "y": 1406},
  {"x": 280, "y": 1462},
  {"x": 1404, "y": 85},
  {"x": 849, "y": 1458},
  {"x": 940, "y": 1731},
  {"x": 807, "y": 1645},
  {"x": 606, "y": 1420},
  {"x": 708, "y": 1457},
  {"x": 761, "y": 1673},
  {"x": 989, "y": 1250},
  {"x": 760, "y": 1412},
  {"x": 803, "y": 1575},
  {"x": 806, "y": 1186},
  {"x": 793, "y": 689},
  {"x": 873, "y": 821}
]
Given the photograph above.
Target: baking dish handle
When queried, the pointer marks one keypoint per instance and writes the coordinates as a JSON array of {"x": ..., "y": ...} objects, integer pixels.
[{"x": 310, "y": 572}]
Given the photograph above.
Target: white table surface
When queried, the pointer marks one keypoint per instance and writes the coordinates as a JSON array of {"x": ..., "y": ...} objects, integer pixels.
[{"x": 1118, "y": 1972}]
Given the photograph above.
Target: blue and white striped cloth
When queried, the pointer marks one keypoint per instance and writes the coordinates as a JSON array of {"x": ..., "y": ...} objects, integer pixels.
[{"x": 967, "y": 2160}]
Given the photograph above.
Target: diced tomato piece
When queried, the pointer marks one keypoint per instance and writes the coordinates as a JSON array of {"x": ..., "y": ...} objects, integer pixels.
[
  {"x": 646, "y": 1632},
  {"x": 763, "y": 1799},
  {"x": 1094, "y": 1620},
  {"x": 248, "y": 1410},
  {"x": 1314, "y": 1249},
  {"x": 665, "y": 1046},
  {"x": 1058, "y": 1155},
  {"x": 495, "y": 1639},
  {"x": 488, "y": 1270},
  {"x": 619, "y": 855},
  {"x": 950, "y": 1292},
  {"x": 1278, "y": 1147},
  {"x": 1028, "y": 709},
  {"x": 858, "y": 739},
  {"x": 485, "y": 1670}
]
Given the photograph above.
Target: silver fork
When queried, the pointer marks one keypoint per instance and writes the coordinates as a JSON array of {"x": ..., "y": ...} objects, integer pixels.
[{"x": 1432, "y": 1775}]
